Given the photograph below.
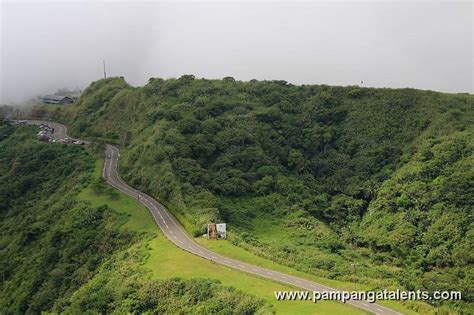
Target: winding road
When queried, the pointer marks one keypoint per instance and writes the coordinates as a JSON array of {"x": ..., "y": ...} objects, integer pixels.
[{"x": 173, "y": 230}]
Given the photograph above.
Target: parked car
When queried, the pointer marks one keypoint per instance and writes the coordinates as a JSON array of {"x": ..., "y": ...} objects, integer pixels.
[{"x": 65, "y": 141}]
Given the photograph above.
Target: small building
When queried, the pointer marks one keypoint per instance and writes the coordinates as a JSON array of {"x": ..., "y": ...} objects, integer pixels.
[
  {"x": 57, "y": 99},
  {"x": 216, "y": 231}
]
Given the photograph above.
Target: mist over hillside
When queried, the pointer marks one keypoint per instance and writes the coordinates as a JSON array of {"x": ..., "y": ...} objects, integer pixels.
[{"x": 376, "y": 44}]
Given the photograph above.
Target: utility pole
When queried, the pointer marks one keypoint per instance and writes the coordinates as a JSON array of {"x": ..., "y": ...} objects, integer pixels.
[{"x": 105, "y": 73}]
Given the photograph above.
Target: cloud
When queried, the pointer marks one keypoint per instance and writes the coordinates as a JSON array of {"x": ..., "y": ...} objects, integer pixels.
[{"x": 48, "y": 45}]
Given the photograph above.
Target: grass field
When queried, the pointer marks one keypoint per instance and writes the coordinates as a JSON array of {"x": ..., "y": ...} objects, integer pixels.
[
  {"x": 165, "y": 260},
  {"x": 227, "y": 249}
]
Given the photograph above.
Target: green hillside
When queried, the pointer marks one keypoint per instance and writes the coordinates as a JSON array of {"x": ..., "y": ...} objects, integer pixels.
[
  {"x": 314, "y": 177},
  {"x": 69, "y": 243}
]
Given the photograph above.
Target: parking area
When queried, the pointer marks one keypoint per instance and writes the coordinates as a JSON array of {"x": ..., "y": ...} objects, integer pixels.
[{"x": 52, "y": 132}]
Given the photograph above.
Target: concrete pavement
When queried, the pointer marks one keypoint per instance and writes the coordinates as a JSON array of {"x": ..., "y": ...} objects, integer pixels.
[{"x": 173, "y": 230}]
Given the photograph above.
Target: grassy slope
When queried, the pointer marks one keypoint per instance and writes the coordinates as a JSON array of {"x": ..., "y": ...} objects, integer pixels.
[
  {"x": 400, "y": 118},
  {"x": 165, "y": 260},
  {"x": 229, "y": 250}
]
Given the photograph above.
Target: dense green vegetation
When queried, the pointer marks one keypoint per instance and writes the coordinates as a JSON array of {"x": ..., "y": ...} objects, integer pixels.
[
  {"x": 163, "y": 260},
  {"x": 49, "y": 245},
  {"x": 314, "y": 177},
  {"x": 61, "y": 253},
  {"x": 121, "y": 291}
]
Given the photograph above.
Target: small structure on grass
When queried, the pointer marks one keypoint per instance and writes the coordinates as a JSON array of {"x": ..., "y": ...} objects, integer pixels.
[{"x": 216, "y": 231}]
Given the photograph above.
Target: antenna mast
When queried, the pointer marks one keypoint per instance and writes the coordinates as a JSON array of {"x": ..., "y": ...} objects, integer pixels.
[{"x": 105, "y": 73}]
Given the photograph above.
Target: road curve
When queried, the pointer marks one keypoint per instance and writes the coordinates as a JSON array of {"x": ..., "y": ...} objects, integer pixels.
[
  {"x": 60, "y": 130},
  {"x": 173, "y": 230}
]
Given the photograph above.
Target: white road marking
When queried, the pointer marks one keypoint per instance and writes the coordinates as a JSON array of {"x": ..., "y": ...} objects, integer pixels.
[{"x": 110, "y": 173}]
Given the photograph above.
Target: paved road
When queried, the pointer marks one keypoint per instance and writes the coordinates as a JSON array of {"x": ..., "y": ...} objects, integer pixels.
[
  {"x": 173, "y": 230},
  {"x": 60, "y": 130}
]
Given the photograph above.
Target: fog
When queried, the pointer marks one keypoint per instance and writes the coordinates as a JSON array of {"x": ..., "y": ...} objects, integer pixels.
[{"x": 50, "y": 45}]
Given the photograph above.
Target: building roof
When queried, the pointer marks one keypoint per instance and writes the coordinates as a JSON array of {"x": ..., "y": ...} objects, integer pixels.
[{"x": 55, "y": 97}]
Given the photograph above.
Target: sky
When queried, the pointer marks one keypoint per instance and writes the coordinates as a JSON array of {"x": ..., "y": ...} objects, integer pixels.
[{"x": 45, "y": 45}]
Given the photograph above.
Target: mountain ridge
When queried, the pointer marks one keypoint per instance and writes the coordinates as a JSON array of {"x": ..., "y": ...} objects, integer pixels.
[{"x": 318, "y": 161}]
